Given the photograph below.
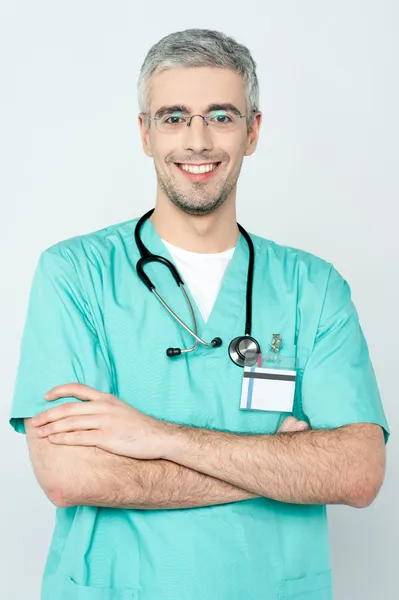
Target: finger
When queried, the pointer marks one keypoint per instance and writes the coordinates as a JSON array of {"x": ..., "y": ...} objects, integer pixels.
[
  {"x": 288, "y": 425},
  {"x": 79, "y": 423},
  {"x": 291, "y": 424},
  {"x": 76, "y": 438},
  {"x": 66, "y": 410},
  {"x": 77, "y": 390}
]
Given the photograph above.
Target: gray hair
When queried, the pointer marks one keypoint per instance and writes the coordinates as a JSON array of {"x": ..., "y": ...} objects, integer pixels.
[{"x": 200, "y": 48}]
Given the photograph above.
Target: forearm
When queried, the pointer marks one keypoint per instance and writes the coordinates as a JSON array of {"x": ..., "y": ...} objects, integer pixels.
[
  {"x": 89, "y": 476},
  {"x": 120, "y": 482},
  {"x": 105, "y": 479},
  {"x": 343, "y": 465}
]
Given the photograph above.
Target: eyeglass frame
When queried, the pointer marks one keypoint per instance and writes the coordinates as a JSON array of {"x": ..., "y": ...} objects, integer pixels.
[{"x": 205, "y": 118}]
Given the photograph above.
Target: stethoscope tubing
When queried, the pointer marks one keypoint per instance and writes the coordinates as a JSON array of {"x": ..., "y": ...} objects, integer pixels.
[
  {"x": 240, "y": 345},
  {"x": 198, "y": 339}
]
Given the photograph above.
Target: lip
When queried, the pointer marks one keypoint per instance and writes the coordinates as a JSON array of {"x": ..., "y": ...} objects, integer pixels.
[{"x": 198, "y": 176}]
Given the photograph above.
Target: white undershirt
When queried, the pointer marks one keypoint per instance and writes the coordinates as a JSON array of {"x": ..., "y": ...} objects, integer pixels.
[{"x": 202, "y": 273}]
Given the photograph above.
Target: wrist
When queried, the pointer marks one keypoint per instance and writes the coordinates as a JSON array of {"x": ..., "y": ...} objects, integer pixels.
[{"x": 170, "y": 437}]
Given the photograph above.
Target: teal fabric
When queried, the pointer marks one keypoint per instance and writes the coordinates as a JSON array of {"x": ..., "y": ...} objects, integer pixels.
[{"x": 90, "y": 319}]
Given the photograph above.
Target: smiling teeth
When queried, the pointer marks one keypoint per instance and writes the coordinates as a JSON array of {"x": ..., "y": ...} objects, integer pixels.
[{"x": 198, "y": 168}]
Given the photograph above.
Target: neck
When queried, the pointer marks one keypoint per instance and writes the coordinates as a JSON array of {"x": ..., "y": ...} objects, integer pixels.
[{"x": 209, "y": 234}]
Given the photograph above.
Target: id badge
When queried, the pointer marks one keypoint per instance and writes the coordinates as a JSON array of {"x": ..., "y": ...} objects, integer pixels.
[{"x": 270, "y": 384}]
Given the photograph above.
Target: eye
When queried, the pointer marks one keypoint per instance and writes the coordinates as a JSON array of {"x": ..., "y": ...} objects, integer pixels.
[
  {"x": 221, "y": 117},
  {"x": 175, "y": 119}
]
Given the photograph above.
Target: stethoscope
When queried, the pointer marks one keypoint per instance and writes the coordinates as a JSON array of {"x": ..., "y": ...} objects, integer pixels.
[{"x": 243, "y": 350}]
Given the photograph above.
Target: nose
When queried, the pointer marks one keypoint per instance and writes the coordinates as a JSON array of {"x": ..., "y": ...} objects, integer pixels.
[{"x": 197, "y": 135}]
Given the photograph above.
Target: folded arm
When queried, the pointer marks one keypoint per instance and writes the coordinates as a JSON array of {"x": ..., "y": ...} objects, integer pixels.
[
  {"x": 344, "y": 465},
  {"x": 87, "y": 476}
]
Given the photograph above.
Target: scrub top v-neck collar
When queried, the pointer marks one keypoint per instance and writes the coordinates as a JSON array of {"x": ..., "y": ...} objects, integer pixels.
[{"x": 230, "y": 301}]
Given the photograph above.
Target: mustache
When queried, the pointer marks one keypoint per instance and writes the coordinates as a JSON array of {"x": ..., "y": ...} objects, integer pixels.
[{"x": 193, "y": 159}]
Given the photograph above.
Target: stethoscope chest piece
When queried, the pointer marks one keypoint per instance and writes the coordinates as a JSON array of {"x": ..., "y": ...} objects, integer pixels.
[{"x": 244, "y": 350}]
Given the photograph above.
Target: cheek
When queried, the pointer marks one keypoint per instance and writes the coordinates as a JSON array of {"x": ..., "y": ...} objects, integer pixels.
[
  {"x": 161, "y": 151},
  {"x": 235, "y": 149},
  {"x": 236, "y": 160}
]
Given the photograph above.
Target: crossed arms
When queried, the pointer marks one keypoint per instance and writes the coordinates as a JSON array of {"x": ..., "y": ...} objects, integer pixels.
[
  {"x": 198, "y": 467},
  {"x": 344, "y": 465}
]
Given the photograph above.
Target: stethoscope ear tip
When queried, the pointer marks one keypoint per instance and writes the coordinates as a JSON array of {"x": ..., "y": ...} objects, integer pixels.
[{"x": 216, "y": 342}]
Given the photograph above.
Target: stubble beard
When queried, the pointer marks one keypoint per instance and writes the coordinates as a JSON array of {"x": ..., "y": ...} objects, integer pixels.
[{"x": 197, "y": 201}]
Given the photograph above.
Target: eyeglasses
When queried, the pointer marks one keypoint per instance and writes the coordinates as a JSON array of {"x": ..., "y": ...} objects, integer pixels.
[{"x": 218, "y": 120}]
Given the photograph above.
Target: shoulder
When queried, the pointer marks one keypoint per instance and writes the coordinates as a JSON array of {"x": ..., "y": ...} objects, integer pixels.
[
  {"x": 322, "y": 295},
  {"x": 95, "y": 247},
  {"x": 293, "y": 263},
  {"x": 316, "y": 283}
]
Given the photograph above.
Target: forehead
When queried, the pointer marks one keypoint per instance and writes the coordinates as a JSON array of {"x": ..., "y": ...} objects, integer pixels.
[{"x": 196, "y": 87}]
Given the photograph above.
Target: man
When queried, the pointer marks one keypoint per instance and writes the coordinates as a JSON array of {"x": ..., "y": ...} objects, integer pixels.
[{"x": 166, "y": 486}]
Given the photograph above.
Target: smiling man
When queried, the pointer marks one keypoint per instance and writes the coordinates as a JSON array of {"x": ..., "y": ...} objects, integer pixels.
[{"x": 181, "y": 475}]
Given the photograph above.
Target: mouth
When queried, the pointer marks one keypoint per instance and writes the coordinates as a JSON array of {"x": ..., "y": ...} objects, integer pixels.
[{"x": 198, "y": 172}]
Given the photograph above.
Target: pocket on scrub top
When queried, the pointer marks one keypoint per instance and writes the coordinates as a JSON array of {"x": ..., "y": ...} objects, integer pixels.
[
  {"x": 310, "y": 587},
  {"x": 73, "y": 591}
]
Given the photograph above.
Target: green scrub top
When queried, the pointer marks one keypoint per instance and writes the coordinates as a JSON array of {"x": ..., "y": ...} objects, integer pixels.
[{"x": 90, "y": 319}]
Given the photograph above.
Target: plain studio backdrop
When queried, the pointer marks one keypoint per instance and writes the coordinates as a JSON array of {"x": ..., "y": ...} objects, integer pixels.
[{"x": 324, "y": 178}]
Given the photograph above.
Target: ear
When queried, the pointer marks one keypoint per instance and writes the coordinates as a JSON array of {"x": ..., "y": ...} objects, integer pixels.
[
  {"x": 253, "y": 134},
  {"x": 144, "y": 125}
]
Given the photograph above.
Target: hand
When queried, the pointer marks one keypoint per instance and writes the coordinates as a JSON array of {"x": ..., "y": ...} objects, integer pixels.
[
  {"x": 103, "y": 421},
  {"x": 292, "y": 424}
]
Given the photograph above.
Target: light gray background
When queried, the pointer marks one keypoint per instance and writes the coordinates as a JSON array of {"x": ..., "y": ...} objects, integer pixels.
[{"x": 324, "y": 179}]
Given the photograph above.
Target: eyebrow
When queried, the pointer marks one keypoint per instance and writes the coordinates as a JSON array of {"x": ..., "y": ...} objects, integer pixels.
[{"x": 164, "y": 110}]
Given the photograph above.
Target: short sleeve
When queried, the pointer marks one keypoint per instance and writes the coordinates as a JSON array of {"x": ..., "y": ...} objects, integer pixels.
[
  {"x": 59, "y": 342},
  {"x": 339, "y": 386}
]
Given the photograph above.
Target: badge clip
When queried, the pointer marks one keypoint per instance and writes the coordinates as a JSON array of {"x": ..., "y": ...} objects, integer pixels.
[{"x": 275, "y": 347}]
